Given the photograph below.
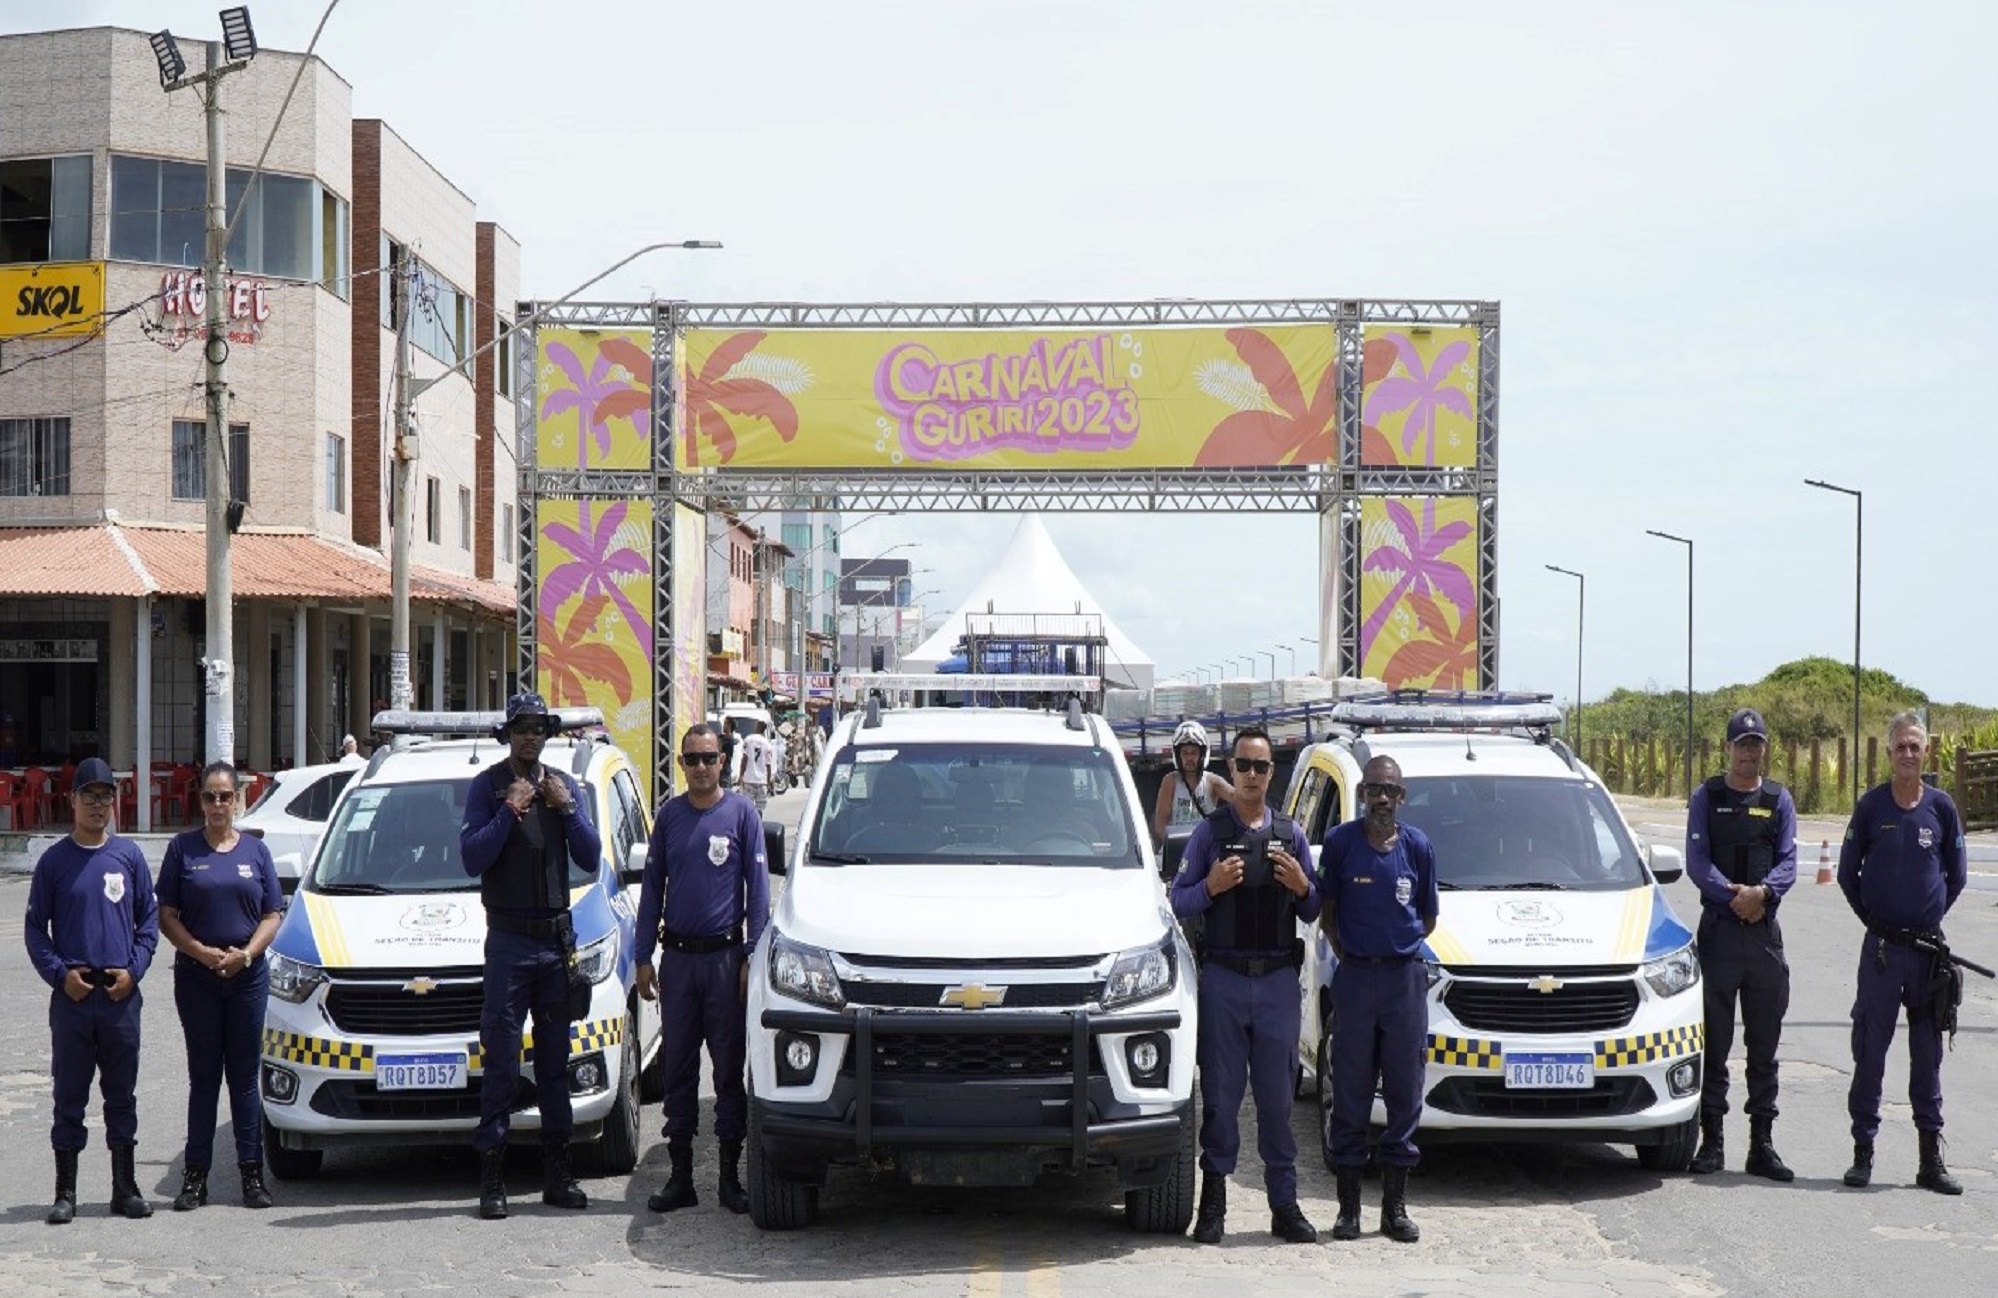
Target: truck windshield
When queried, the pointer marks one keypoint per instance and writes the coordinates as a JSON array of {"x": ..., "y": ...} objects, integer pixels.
[
  {"x": 986, "y": 803},
  {"x": 1505, "y": 832},
  {"x": 400, "y": 838}
]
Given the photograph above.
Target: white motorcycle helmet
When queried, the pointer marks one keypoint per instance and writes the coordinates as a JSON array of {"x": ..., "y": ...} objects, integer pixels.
[{"x": 1190, "y": 732}]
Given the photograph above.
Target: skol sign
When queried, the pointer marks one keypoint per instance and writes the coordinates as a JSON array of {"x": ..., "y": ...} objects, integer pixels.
[{"x": 53, "y": 300}]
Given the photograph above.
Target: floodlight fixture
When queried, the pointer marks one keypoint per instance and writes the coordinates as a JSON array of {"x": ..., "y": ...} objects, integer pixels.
[
  {"x": 239, "y": 40},
  {"x": 172, "y": 66}
]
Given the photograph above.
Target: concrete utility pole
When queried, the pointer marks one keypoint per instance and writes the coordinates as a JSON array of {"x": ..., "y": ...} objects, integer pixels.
[{"x": 408, "y": 447}]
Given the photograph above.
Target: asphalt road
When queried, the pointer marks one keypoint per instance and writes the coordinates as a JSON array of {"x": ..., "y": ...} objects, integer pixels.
[{"x": 1544, "y": 1220}]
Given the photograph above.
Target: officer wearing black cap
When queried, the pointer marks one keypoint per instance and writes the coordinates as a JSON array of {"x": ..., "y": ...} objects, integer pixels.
[
  {"x": 92, "y": 927},
  {"x": 1741, "y": 852},
  {"x": 523, "y": 826}
]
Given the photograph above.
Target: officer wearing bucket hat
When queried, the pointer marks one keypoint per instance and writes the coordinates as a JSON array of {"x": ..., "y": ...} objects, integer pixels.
[{"x": 523, "y": 826}]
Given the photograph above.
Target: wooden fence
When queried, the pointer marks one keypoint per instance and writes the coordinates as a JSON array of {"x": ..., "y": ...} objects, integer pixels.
[
  {"x": 1816, "y": 772},
  {"x": 1977, "y": 789}
]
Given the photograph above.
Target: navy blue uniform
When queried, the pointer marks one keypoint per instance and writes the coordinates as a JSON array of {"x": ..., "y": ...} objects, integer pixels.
[
  {"x": 521, "y": 863},
  {"x": 1380, "y": 1014},
  {"x": 1900, "y": 870},
  {"x": 93, "y": 908},
  {"x": 705, "y": 877},
  {"x": 221, "y": 897},
  {"x": 1740, "y": 960},
  {"x": 1249, "y": 1008}
]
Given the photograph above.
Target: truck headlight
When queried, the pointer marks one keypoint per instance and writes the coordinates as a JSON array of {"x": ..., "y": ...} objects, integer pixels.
[
  {"x": 803, "y": 973},
  {"x": 1140, "y": 974},
  {"x": 598, "y": 960},
  {"x": 1672, "y": 974},
  {"x": 293, "y": 980}
]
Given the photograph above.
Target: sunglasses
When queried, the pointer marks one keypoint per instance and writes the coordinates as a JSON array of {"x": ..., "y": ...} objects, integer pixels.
[
  {"x": 1260, "y": 765},
  {"x": 699, "y": 759},
  {"x": 1381, "y": 789},
  {"x": 537, "y": 729},
  {"x": 217, "y": 797},
  {"x": 90, "y": 799}
]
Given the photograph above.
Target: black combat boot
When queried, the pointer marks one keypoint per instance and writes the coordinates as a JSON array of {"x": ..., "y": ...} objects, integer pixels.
[
  {"x": 729, "y": 1189},
  {"x": 1763, "y": 1160},
  {"x": 1347, "y": 1225},
  {"x": 1289, "y": 1224},
  {"x": 1394, "y": 1207},
  {"x": 63, "y": 1210},
  {"x": 1860, "y": 1174},
  {"x": 255, "y": 1193},
  {"x": 126, "y": 1200},
  {"x": 678, "y": 1192},
  {"x": 558, "y": 1186},
  {"x": 492, "y": 1183},
  {"x": 1933, "y": 1175},
  {"x": 1712, "y": 1154},
  {"x": 1210, "y": 1223},
  {"x": 193, "y": 1189}
]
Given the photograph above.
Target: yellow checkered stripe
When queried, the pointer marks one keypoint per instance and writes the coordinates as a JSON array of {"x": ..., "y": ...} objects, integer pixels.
[
  {"x": 1628, "y": 1052},
  {"x": 1464, "y": 1052},
  {"x": 318, "y": 1052},
  {"x": 596, "y": 1034}
]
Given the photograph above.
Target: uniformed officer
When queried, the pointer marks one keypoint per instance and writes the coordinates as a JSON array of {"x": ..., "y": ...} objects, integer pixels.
[
  {"x": 92, "y": 926},
  {"x": 1244, "y": 870},
  {"x": 705, "y": 880},
  {"x": 1378, "y": 877},
  {"x": 1741, "y": 852},
  {"x": 1901, "y": 869},
  {"x": 523, "y": 825}
]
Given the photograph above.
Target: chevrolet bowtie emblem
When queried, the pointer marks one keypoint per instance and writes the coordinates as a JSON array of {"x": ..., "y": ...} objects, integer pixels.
[
  {"x": 973, "y": 996},
  {"x": 420, "y": 986},
  {"x": 1546, "y": 984}
]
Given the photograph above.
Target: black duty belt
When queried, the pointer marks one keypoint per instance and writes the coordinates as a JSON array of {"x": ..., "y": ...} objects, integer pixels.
[
  {"x": 543, "y": 926},
  {"x": 703, "y": 945},
  {"x": 1375, "y": 959},
  {"x": 1253, "y": 966}
]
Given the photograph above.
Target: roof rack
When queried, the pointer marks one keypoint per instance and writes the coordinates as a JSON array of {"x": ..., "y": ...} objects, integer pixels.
[
  {"x": 1447, "y": 710},
  {"x": 448, "y": 725},
  {"x": 981, "y": 682}
]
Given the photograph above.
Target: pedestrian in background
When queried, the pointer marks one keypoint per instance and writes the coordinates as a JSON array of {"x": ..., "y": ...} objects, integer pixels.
[
  {"x": 220, "y": 903},
  {"x": 1901, "y": 868},
  {"x": 758, "y": 760},
  {"x": 1741, "y": 853},
  {"x": 1190, "y": 792},
  {"x": 91, "y": 928}
]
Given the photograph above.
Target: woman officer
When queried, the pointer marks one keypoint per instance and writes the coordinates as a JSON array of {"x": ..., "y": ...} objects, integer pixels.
[{"x": 219, "y": 902}]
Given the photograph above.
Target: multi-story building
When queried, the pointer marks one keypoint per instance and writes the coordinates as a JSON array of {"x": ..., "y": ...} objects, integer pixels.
[{"x": 102, "y": 450}]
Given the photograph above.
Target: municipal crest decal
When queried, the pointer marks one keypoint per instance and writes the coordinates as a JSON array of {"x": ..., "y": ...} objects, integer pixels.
[
  {"x": 114, "y": 887},
  {"x": 1926, "y": 837},
  {"x": 245, "y": 869},
  {"x": 718, "y": 849},
  {"x": 1404, "y": 888}
]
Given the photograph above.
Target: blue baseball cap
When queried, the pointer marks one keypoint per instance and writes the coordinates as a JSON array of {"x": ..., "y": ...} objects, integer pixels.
[
  {"x": 1747, "y": 724},
  {"x": 93, "y": 770}
]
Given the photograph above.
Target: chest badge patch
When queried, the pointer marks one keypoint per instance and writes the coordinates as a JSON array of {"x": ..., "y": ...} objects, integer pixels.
[
  {"x": 245, "y": 869},
  {"x": 1926, "y": 837},
  {"x": 718, "y": 849},
  {"x": 114, "y": 887},
  {"x": 1404, "y": 888}
]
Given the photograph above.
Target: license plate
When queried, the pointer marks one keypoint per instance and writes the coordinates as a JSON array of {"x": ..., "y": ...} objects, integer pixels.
[
  {"x": 1550, "y": 1072},
  {"x": 419, "y": 1072}
]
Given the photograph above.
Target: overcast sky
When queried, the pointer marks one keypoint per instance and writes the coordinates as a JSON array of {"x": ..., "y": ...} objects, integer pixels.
[{"x": 1736, "y": 245}]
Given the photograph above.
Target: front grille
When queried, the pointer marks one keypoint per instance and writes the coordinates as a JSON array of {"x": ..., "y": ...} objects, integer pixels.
[
  {"x": 974, "y": 1054},
  {"x": 359, "y": 1101},
  {"x": 929, "y": 996},
  {"x": 1514, "y": 1007},
  {"x": 1487, "y": 1097},
  {"x": 376, "y": 1009}
]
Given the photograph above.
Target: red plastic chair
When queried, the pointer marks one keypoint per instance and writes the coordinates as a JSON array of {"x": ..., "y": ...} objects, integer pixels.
[
  {"x": 65, "y": 780},
  {"x": 14, "y": 801},
  {"x": 40, "y": 787}
]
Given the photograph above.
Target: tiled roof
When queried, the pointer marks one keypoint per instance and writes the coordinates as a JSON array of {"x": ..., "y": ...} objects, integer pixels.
[{"x": 111, "y": 559}]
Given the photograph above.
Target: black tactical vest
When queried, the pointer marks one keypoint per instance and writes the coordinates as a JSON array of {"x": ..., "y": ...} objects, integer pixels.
[
  {"x": 1741, "y": 831},
  {"x": 532, "y": 874},
  {"x": 1259, "y": 915}
]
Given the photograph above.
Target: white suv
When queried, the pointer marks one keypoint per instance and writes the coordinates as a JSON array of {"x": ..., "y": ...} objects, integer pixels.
[
  {"x": 371, "y": 1036},
  {"x": 972, "y": 976},
  {"x": 1564, "y": 994}
]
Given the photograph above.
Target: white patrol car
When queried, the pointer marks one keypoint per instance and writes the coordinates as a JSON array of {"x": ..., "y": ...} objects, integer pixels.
[
  {"x": 371, "y": 1036},
  {"x": 973, "y": 976},
  {"x": 1564, "y": 994}
]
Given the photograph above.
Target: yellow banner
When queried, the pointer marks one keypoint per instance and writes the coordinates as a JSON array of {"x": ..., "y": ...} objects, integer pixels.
[
  {"x": 690, "y": 626},
  {"x": 1109, "y": 398},
  {"x": 1419, "y": 591},
  {"x": 60, "y": 299},
  {"x": 593, "y": 616},
  {"x": 593, "y": 399},
  {"x": 1419, "y": 396}
]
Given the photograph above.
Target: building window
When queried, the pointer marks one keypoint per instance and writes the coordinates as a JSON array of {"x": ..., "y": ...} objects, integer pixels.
[
  {"x": 45, "y": 209},
  {"x": 503, "y": 357},
  {"x": 433, "y": 511},
  {"x": 335, "y": 244},
  {"x": 190, "y": 455},
  {"x": 506, "y": 537},
  {"x": 336, "y": 473},
  {"x": 34, "y": 457},
  {"x": 158, "y": 214},
  {"x": 441, "y": 319},
  {"x": 464, "y": 518}
]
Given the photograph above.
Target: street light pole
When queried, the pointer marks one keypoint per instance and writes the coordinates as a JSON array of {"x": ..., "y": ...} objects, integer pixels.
[
  {"x": 1581, "y": 607},
  {"x": 1305, "y": 639},
  {"x": 1292, "y": 651},
  {"x": 1266, "y": 653},
  {"x": 1667, "y": 536},
  {"x": 1858, "y": 571}
]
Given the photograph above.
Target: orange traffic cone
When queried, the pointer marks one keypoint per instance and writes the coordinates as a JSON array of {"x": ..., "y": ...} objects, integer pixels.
[{"x": 1824, "y": 862}]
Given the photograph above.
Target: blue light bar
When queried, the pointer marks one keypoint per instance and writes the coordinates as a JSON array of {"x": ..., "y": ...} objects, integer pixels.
[
  {"x": 1447, "y": 710},
  {"x": 444, "y": 725}
]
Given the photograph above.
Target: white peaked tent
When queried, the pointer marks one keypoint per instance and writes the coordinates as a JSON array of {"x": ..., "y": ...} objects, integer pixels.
[{"x": 1032, "y": 577}]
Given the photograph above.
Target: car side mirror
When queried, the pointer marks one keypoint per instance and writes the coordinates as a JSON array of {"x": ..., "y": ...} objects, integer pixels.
[
  {"x": 1173, "y": 851},
  {"x": 1667, "y": 863},
  {"x": 773, "y": 848},
  {"x": 633, "y": 870}
]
